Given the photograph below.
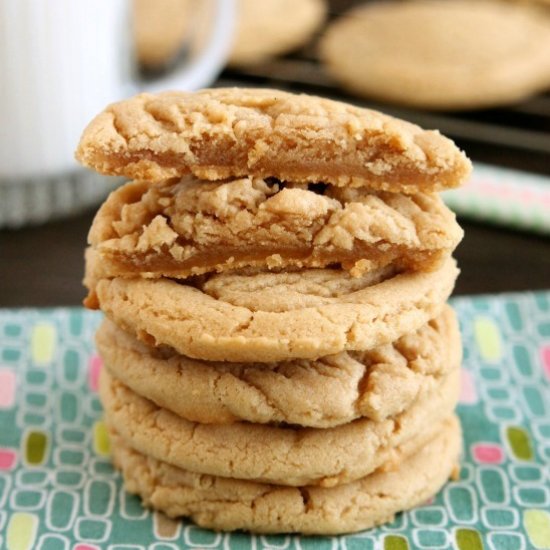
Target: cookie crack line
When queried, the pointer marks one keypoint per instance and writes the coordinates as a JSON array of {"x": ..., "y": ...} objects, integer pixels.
[
  {"x": 119, "y": 130},
  {"x": 207, "y": 328},
  {"x": 222, "y": 133},
  {"x": 333, "y": 456},
  {"x": 352, "y": 385},
  {"x": 229, "y": 504}
]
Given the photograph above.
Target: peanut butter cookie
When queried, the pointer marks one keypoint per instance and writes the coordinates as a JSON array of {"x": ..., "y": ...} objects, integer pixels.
[
  {"x": 275, "y": 316},
  {"x": 234, "y": 132},
  {"x": 462, "y": 54},
  {"x": 264, "y": 29},
  {"x": 159, "y": 28},
  {"x": 283, "y": 455},
  {"x": 187, "y": 227},
  {"x": 229, "y": 504},
  {"x": 333, "y": 390}
]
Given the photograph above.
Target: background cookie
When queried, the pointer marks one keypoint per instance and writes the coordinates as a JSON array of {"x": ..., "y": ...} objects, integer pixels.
[
  {"x": 282, "y": 455},
  {"x": 376, "y": 384},
  {"x": 441, "y": 55},
  {"x": 160, "y": 28},
  {"x": 263, "y": 29},
  {"x": 264, "y": 316},
  {"x": 187, "y": 227},
  {"x": 268, "y": 28},
  {"x": 228, "y": 504},
  {"x": 234, "y": 132}
]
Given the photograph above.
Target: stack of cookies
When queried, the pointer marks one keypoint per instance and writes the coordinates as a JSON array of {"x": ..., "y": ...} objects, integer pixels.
[{"x": 279, "y": 354}]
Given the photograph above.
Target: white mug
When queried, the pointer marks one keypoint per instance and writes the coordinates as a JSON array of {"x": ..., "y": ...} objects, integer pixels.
[{"x": 63, "y": 61}]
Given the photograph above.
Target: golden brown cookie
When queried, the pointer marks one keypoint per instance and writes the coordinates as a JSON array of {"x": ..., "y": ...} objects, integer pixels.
[
  {"x": 229, "y": 504},
  {"x": 160, "y": 28},
  {"x": 441, "y": 55},
  {"x": 283, "y": 455},
  {"x": 333, "y": 390},
  {"x": 186, "y": 227},
  {"x": 235, "y": 132},
  {"x": 264, "y": 29},
  {"x": 275, "y": 316}
]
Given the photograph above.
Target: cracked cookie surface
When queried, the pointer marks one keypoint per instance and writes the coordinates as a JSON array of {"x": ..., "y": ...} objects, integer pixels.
[
  {"x": 186, "y": 227},
  {"x": 230, "y": 504},
  {"x": 284, "y": 455},
  {"x": 268, "y": 316},
  {"x": 333, "y": 390},
  {"x": 236, "y": 132}
]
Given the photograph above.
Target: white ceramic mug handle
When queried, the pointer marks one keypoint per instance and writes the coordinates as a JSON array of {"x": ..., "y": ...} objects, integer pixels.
[{"x": 205, "y": 65}]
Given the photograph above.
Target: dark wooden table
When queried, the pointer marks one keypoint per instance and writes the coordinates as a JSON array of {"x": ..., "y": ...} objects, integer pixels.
[{"x": 42, "y": 266}]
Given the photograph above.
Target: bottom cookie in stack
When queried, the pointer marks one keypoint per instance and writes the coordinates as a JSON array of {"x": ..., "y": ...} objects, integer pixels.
[{"x": 229, "y": 504}]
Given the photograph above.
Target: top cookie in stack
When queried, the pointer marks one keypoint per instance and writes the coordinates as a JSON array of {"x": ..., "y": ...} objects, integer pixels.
[
  {"x": 274, "y": 244},
  {"x": 223, "y": 133}
]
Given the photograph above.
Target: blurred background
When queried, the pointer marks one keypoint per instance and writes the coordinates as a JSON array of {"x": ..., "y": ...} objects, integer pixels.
[{"x": 477, "y": 70}]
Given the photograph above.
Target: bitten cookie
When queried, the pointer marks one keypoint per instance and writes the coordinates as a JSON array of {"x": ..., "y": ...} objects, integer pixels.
[
  {"x": 283, "y": 455},
  {"x": 275, "y": 316},
  {"x": 229, "y": 504},
  {"x": 234, "y": 132},
  {"x": 333, "y": 390},
  {"x": 188, "y": 227},
  {"x": 441, "y": 55}
]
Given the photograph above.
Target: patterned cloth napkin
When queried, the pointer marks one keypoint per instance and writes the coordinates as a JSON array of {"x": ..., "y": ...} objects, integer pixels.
[
  {"x": 59, "y": 491},
  {"x": 514, "y": 199}
]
